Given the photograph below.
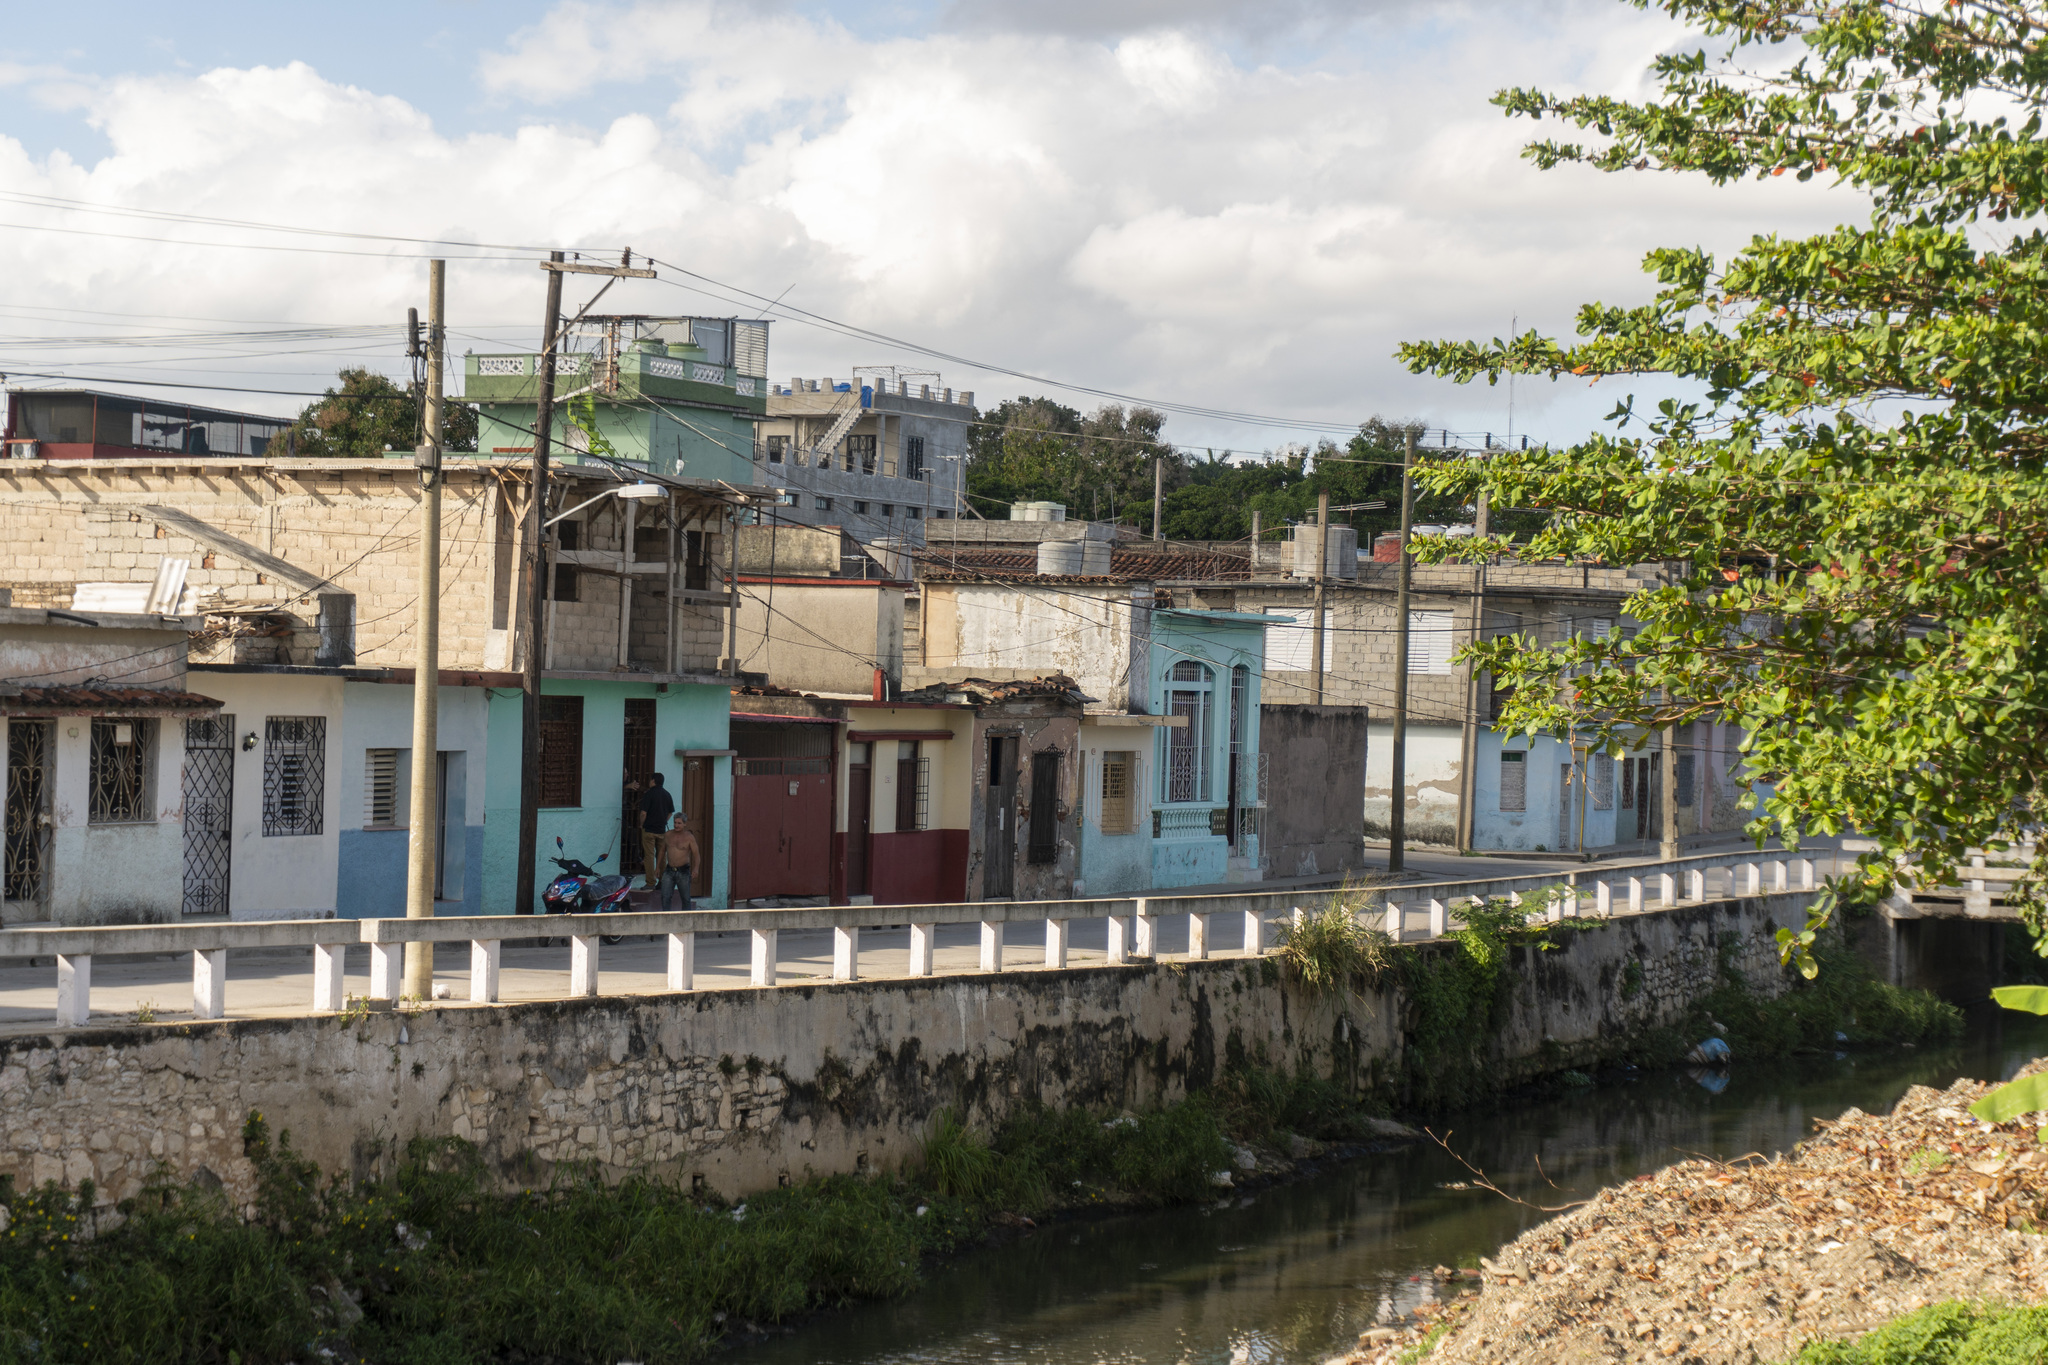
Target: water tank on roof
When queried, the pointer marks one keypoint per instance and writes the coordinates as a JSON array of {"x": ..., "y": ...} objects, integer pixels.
[
  {"x": 1038, "y": 511},
  {"x": 1340, "y": 558},
  {"x": 1071, "y": 557}
]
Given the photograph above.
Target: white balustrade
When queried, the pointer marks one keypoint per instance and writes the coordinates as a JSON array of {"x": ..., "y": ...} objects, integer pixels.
[
  {"x": 1603, "y": 898},
  {"x": 991, "y": 945},
  {"x": 1056, "y": 943},
  {"x": 74, "y": 989},
  {"x": 1439, "y": 918},
  {"x": 922, "y": 938},
  {"x": 1254, "y": 934},
  {"x": 209, "y": 983},
  {"x": 1198, "y": 936},
  {"x": 583, "y": 965},
  {"x": 1396, "y": 920},
  {"x": 762, "y": 968},
  {"x": 1146, "y": 930},
  {"x": 682, "y": 962},
  {"x": 483, "y": 970},
  {"x": 387, "y": 966},
  {"x": 1635, "y": 895},
  {"x": 1119, "y": 940},
  {"x": 330, "y": 979},
  {"x": 846, "y": 952},
  {"x": 1696, "y": 884}
]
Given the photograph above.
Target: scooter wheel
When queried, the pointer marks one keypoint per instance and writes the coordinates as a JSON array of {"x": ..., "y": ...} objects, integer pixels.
[{"x": 612, "y": 938}]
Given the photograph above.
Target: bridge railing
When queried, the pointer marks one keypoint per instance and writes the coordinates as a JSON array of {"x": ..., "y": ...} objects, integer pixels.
[{"x": 1407, "y": 912}]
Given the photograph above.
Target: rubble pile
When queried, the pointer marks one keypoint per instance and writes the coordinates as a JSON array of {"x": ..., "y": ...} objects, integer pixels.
[{"x": 1748, "y": 1260}]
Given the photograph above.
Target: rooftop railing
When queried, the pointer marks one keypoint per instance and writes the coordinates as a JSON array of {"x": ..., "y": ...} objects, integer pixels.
[{"x": 1408, "y": 913}]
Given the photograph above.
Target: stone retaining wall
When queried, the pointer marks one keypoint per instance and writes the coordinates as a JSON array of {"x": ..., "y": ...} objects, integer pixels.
[{"x": 748, "y": 1088}]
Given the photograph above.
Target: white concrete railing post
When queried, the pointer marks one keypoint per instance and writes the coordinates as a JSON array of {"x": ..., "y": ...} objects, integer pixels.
[
  {"x": 330, "y": 988},
  {"x": 1752, "y": 880},
  {"x": 1667, "y": 888},
  {"x": 1553, "y": 906},
  {"x": 1254, "y": 934},
  {"x": 1145, "y": 931},
  {"x": 991, "y": 946},
  {"x": 1119, "y": 940},
  {"x": 1603, "y": 899},
  {"x": 483, "y": 970},
  {"x": 921, "y": 937},
  {"x": 1439, "y": 918},
  {"x": 682, "y": 962},
  {"x": 1056, "y": 943},
  {"x": 1397, "y": 919},
  {"x": 846, "y": 952},
  {"x": 74, "y": 989},
  {"x": 1696, "y": 884},
  {"x": 764, "y": 969},
  {"x": 582, "y": 965},
  {"x": 1635, "y": 895},
  {"x": 209, "y": 983},
  {"x": 1198, "y": 935},
  {"x": 1779, "y": 881},
  {"x": 387, "y": 965},
  {"x": 1804, "y": 867}
]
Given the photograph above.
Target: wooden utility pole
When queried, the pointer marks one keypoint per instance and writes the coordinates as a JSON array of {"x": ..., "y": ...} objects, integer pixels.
[
  {"x": 539, "y": 586},
  {"x": 1397, "y": 813},
  {"x": 424, "y": 838},
  {"x": 1668, "y": 843},
  {"x": 1468, "y": 784},
  {"x": 1322, "y": 575},
  {"x": 1158, "y": 497}
]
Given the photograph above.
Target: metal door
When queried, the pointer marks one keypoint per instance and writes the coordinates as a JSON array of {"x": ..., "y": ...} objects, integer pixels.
[
  {"x": 27, "y": 885},
  {"x": 639, "y": 775},
  {"x": 696, "y": 809},
  {"x": 860, "y": 795},
  {"x": 999, "y": 821},
  {"x": 782, "y": 828},
  {"x": 209, "y": 808}
]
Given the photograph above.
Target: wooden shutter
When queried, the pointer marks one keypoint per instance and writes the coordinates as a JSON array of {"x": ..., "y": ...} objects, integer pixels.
[
  {"x": 561, "y": 751},
  {"x": 1045, "y": 820},
  {"x": 1429, "y": 642},
  {"x": 380, "y": 787},
  {"x": 1119, "y": 814},
  {"x": 1514, "y": 780}
]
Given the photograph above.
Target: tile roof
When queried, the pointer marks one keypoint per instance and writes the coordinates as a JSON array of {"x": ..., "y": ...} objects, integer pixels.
[
  {"x": 982, "y": 691},
  {"x": 979, "y": 563},
  {"x": 18, "y": 700}
]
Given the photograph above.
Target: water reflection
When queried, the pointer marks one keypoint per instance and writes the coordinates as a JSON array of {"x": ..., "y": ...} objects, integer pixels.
[{"x": 1293, "y": 1274}]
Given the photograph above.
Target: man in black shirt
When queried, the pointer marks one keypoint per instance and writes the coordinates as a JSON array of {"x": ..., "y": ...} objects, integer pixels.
[{"x": 655, "y": 809}]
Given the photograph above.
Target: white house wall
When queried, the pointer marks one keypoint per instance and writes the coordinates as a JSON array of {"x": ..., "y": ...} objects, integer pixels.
[
  {"x": 114, "y": 873},
  {"x": 371, "y": 880},
  {"x": 1434, "y": 766},
  {"x": 1085, "y": 635}
]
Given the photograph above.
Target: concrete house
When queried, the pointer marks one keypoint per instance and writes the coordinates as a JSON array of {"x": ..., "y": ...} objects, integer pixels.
[
  {"x": 881, "y": 453},
  {"x": 305, "y": 572},
  {"x": 96, "y": 715}
]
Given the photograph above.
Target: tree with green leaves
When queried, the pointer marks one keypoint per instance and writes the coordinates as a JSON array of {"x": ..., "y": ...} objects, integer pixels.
[
  {"x": 1100, "y": 466},
  {"x": 1855, "y": 487},
  {"x": 363, "y": 414}
]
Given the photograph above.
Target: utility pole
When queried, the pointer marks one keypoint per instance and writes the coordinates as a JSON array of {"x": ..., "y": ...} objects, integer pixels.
[
  {"x": 1397, "y": 815},
  {"x": 538, "y": 587},
  {"x": 1158, "y": 496},
  {"x": 1322, "y": 574},
  {"x": 1468, "y": 782},
  {"x": 423, "y": 840},
  {"x": 1668, "y": 845}
]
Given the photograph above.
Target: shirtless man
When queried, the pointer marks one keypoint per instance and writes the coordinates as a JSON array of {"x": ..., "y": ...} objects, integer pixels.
[{"x": 678, "y": 861}]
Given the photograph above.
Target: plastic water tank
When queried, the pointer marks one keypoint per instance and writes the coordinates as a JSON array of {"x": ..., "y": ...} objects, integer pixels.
[
  {"x": 1038, "y": 511},
  {"x": 1070, "y": 557}
]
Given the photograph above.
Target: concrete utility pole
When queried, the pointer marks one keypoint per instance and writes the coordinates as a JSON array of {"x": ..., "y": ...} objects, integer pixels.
[
  {"x": 536, "y": 601},
  {"x": 1322, "y": 575},
  {"x": 1469, "y": 741},
  {"x": 1397, "y": 814},
  {"x": 424, "y": 839},
  {"x": 1668, "y": 844},
  {"x": 1158, "y": 496},
  {"x": 538, "y": 587}
]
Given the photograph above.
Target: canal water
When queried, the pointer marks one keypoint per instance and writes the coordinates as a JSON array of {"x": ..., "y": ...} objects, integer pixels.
[{"x": 1294, "y": 1274}]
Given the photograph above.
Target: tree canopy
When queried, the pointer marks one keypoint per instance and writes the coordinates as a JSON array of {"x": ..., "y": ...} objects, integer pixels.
[
  {"x": 363, "y": 413},
  {"x": 1856, "y": 491}
]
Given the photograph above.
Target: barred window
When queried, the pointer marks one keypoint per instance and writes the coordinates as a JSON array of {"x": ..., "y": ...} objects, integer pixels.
[
  {"x": 913, "y": 457},
  {"x": 778, "y": 449},
  {"x": 913, "y": 786},
  {"x": 123, "y": 761},
  {"x": 1514, "y": 780},
  {"x": 1603, "y": 782},
  {"x": 1045, "y": 823},
  {"x": 860, "y": 451},
  {"x": 294, "y": 774},
  {"x": 1119, "y": 804},
  {"x": 561, "y": 751}
]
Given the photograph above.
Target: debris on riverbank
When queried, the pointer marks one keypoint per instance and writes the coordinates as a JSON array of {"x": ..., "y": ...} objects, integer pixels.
[{"x": 1746, "y": 1261}]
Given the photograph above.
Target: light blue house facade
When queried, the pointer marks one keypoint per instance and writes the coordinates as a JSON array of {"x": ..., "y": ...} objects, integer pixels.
[{"x": 1205, "y": 672}]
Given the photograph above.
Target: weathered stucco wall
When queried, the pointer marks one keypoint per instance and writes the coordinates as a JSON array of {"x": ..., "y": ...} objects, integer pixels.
[
  {"x": 1315, "y": 760},
  {"x": 750, "y": 1087}
]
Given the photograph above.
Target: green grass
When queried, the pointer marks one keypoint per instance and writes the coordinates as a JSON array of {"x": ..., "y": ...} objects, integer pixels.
[{"x": 1953, "y": 1333}]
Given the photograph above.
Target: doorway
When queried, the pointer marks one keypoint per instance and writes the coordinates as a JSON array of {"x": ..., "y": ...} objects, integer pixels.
[
  {"x": 209, "y": 805},
  {"x": 638, "y": 777},
  {"x": 27, "y": 889},
  {"x": 695, "y": 806},
  {"x": 860, "y": 797},
  {"x": 999, "y": 829},
  {"x": 1564, "y": 807}
]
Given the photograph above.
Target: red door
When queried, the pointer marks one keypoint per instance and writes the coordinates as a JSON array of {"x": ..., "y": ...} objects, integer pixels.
[
  {"x": 860, "y": 792},
  {"x": 781, "y": 831}
]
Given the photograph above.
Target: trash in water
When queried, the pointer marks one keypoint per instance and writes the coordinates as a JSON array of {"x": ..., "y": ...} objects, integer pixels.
[{"x": 1711, "y": 1052}]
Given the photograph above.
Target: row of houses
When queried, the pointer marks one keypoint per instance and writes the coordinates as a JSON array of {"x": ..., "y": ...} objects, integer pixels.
[{"x": 853, "y": 689}]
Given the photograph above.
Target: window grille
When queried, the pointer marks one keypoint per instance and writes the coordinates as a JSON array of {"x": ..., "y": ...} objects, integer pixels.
[
  {"x": 1429, "y": 642},
  {"x": 1045, "y": 819},
  {"x": 1184, "y": 775},
  {"x": 1603, "y": 782},
  {"x": 860, "y": 450},
  {"x": 1687, "y": 769},
  {"x": 1628, "y": 784},
  {"x": 380, "y": 788},
  {"x": 778, "y": 449},
  {"x": 561, "y": 751},
  {"x": 28, "y": 828},
  {"x": 913, "y": 787},
  {"x": 1119, "y": 795},
  {"x": 123, "y": 755},
  {"x": 913, "y": 457},
  {"x": 1514, "y": 781},
  {"x": 294, "y": 774}
]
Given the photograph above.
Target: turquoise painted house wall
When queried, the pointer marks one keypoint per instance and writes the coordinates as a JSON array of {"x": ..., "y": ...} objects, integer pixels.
[{"x": 690, "y": 716}]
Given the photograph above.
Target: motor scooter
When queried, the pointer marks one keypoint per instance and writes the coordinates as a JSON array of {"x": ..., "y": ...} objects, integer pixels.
[{"x": 580, "y": 890}]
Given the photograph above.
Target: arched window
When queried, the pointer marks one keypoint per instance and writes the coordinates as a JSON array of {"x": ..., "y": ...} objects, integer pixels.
[
  {"x": 1184, "y": 773},
  {"x": 1240, "y": 709}
]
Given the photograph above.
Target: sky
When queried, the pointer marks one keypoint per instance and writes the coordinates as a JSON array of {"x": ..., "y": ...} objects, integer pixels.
[{"x": 1219, "y": 205}]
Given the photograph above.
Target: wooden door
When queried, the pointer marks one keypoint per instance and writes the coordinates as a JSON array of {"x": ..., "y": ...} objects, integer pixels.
[
  {"x": 696, "y": 806},
  {"x": 999, "y": 821},
  {"x": 860, "y": 796},
  {"x": 638, "y": 777}
]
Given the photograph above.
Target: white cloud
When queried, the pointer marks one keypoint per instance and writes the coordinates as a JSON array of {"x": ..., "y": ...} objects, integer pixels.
[{"x": 1142, "y": 211}]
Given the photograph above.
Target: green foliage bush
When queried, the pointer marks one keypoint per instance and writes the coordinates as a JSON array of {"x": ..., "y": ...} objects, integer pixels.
[
  {"x": 1844, "y": 997},
  {"x": 1332, "y": 951},
  {"x": 1953, "y": 1333}
]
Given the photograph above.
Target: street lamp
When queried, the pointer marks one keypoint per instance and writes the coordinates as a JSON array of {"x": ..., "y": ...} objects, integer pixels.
[{"x": 637, "y": 492}]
